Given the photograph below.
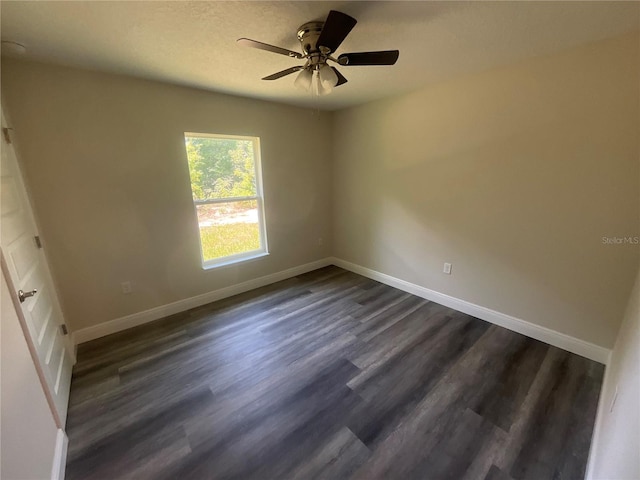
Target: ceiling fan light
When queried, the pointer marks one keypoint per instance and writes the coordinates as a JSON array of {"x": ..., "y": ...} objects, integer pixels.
[
  {"x": 303, "y": 80},
  {"x": 328, "y": 77}
]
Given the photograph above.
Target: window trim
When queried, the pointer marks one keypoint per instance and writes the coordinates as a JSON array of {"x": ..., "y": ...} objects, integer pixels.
[{"x": 258, "y": 198}]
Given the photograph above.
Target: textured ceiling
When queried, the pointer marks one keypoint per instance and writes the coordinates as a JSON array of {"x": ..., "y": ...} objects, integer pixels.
[{"x": 194, "y": 43}]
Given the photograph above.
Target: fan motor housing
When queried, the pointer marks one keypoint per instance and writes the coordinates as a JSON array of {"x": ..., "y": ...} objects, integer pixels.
[{"x": 308, "y": 35}]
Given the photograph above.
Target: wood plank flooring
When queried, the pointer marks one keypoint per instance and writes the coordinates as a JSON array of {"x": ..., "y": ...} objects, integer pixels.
[{"x": 328, "y": 375}]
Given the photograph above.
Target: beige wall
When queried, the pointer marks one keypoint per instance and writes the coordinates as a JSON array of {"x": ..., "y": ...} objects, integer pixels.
[
  {"x": 616, "y": 442},
  {"x": 103, "y": 156},
  {"x": 27, "y": 428},
  {"x": 513, "y": 176}
]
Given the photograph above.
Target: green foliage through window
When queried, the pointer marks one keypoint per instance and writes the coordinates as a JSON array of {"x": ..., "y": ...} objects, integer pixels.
[{"x": 220, "y": 167}]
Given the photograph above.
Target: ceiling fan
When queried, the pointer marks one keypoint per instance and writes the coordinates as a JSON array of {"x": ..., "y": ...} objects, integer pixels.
[{"x": 319, "y": 40}]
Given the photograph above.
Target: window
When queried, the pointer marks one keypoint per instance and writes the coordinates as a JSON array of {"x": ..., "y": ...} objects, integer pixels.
[{"x": 227, "y": 195}]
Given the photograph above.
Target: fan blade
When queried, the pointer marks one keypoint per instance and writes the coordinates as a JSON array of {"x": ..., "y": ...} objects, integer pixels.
[
  {"x": 283, "y": 73},
  {"x": 246, "y": 42},
  {"x": 336, "y": 28},
  {"x": 387, "y": 57},
  {"x": 341, "y": 78}
]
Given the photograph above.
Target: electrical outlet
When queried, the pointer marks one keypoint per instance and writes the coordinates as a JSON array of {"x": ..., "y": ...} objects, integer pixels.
[
  {"x": 320, "y": 241},
  {"x": 126, "y": 287},
  {"x": 447, "y": 269}
]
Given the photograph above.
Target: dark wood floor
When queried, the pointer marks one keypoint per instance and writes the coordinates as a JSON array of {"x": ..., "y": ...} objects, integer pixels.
[{"x": 328, "y": 375}]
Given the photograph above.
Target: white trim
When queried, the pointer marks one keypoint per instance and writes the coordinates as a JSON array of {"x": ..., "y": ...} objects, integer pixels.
[
  {"x": 220, "y": 136},
  {"x": 60, "y": 456},
  {"x": 546, "y": 335},
  {"x": 597, "y": 429},
  {"x": 135, "y": 319},
  {"x": 233, "y": 259}
]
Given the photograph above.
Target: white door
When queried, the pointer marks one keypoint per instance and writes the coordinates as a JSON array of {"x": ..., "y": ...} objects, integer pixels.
[{"x": 30, "y": 280}]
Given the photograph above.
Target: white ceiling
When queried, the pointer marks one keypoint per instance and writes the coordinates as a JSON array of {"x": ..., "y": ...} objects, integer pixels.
[{"x": 194, "y": 43}]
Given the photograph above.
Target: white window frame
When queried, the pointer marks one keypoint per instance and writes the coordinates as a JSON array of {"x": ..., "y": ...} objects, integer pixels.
[{"x": 259, "y": 198}]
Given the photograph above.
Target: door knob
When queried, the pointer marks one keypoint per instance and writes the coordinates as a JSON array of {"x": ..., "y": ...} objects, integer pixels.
[{"x": 22, "y": 296}]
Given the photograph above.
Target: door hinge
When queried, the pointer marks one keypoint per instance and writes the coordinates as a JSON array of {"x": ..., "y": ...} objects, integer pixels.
[
  {"x": 38, "y": 241},
  {"x": 63, "y": 328},
  {"x": 7, "y": 135}
]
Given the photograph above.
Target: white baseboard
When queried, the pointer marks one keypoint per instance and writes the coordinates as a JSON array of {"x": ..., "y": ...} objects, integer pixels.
[
  {"x": 139, "y": 318},
  {"x": 60, "y": 456},
  {"x": 605, "y": 395},
  {"x": 546, "y": 335},
  {"x": 557, "y": 339}
]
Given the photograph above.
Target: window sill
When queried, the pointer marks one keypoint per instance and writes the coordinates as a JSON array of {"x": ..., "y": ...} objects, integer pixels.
[{"x": 232, "y": 261}]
